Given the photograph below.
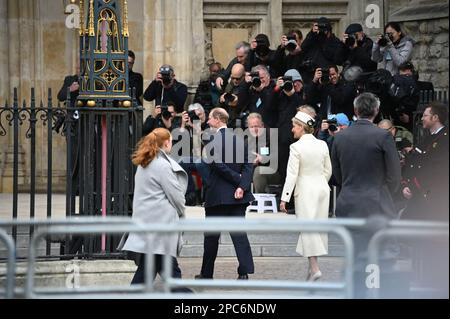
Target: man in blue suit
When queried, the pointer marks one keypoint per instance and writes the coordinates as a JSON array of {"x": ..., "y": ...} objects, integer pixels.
[{"x": 228, "y": 193}]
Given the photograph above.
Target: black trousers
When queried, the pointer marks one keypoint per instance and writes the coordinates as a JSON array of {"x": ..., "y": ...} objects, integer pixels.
[{"x": 240, "y": 242}]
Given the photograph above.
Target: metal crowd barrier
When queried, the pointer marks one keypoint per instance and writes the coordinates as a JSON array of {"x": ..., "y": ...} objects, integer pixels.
[
  {"x": 209, "y": 225},
  {"x": 8, "y": 292},
  {"x": 425, "y": 231}
]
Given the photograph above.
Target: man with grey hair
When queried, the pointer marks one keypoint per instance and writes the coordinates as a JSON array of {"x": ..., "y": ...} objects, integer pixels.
[
  {"x": 367, "y": 167},
  {"x": 262, "y": 95},
  {"x": 242, "y": 51}
]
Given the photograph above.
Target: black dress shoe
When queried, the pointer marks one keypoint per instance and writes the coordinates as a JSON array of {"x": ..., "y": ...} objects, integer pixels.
[{"x": 243, "y": 277}]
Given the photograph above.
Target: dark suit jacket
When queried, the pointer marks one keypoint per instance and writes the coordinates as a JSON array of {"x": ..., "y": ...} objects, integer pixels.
[
  {"x": 227, "y": 175},
  {"x": 367, "y": 166}
]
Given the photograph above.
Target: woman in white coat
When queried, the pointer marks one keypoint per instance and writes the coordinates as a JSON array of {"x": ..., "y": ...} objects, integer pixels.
[
  {"x": 308, "y": 171},
  {"x": 160, "y": 185}
]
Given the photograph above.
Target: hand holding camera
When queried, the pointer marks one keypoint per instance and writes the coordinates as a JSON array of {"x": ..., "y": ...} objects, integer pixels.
[
  {"x": 350, "y": 40},
  {"x": 74, "y": 87},
  {"x": 384, "y": 40}
]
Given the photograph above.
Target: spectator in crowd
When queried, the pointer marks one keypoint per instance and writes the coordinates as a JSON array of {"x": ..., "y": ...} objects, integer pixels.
[
  {"x": 357, "y": 49},
  {"x": 160, "y": 184},
  {"x": 262, "y": 95},
  {"x": 290, "y": 96},
  {"x": 309, "y": 170},
  {"x": 194, "y": 121},
  {"x": 289, "y": 52},
  {"x": 236, "y": 97},
  {"x": 367, "y": 167},
  {"x": 242, "y": 57},
  {"x": 207, "y": 93},
  {"x": 70, "y": 82},
  {"x": 330, "y": 93},
  {"x": 392, "y": 48},
  {"x": 332, "y": 126},
  {"x": 162, "y": 117},
  {"x": 228, "y": 194},
  {"x": 321, "y": 48},
  {"x": 262, "y": 54},
  {"x": 136, "y": 80},
  {"x": 259, "y": 151},
  {"x": 426, "y": 170},
  {"x": 405, "y": 96},
  {"x": 165, "y": 88}
]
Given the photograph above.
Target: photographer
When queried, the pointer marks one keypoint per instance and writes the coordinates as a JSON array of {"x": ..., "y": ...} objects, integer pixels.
[
  {"x": 331, "y": 126},
  {"x": 195, "y": 121},
  {"x": 290, "y": 96},
  {"x": 262, "y": 95},
  {"x": 357, "y": 49},
  {"x": 403, "y": 138},
  {"x": 393, "y": 48},
  {"x": 166, "y": 88},
  {"x": 207, "y": 93},
  {"x": 236, "y": 97},
  {"x": 321, "y": 47},
  {"x": 261, "y": 54},
  {"x": 330, "y": 94},
  {"x": 405, "y": 96},
  {"x": 162, "y": 117},
  {"x": 289, "y": 52},
  {"x": 242, "y": 57}
]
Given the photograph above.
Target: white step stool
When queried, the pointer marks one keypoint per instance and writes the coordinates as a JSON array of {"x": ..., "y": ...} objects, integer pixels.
[{"x": 261, "y": 206}]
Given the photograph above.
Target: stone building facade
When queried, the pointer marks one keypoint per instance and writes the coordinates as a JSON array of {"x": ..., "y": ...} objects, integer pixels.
[{"x": 38, "y": 50}]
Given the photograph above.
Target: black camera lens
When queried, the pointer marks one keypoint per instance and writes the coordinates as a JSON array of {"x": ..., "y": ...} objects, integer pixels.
[
  {"x": 383, "y": 41},
  {"x": 333, "y": 127},
  {"x": 325, "y": 77},
  {"x": 166, "y": 114},
  {"x": 193, "y": 116},
  {"x": 288, "y": 84},
  {"x": 256, "y": 80},
  {"x": 229, "y": 98},
  {"x": 350, "y": 41}
]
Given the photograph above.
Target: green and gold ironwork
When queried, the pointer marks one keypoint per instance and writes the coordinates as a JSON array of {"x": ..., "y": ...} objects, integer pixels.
[{"x": 104, "y": 53}]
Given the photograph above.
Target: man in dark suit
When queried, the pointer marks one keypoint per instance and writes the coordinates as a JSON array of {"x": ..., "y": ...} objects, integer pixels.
[
  {"x": 366, "y": 166},
  {"x": 228, "y": 193}
]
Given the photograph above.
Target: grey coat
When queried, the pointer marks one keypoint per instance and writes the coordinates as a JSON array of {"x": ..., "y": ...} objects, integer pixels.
[
  {"x": 392, "y": 56},
  {"x": 158, "y": 198},
  {"x": 367, "y": 167}
]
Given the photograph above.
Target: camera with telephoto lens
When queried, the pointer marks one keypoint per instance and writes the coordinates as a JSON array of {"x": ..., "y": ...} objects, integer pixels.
[
  {"x": 351, "y": 40},
  {"x": 323, "y": 27},
  {"x": 332, "y": 125},
  {"x": 291, "y": 44},
  {"x": 288, "y": 84},
  {"x": 166, "y": 75},
  {"x": 386, "y": 38},
  {"x": 256, "y": 80}
]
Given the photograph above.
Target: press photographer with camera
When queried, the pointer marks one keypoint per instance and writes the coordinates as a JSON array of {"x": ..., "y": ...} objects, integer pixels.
[
  {"x": 392, "y": 48},
  {"x": 321, "y": 47},
  {"x": 289, "y": 97},
  {"x": 262, "y": 95},
  {"x": 207, "y": 93},
  {"x": 236, "y": 97},
  {"x": 166, "y": 88},
  {"x": 330, "y": 94},
  {"x": 332, "y": 126},
  {"x": 163, "y": 116},
  {"x": 289, "y": 52},
  {"x": 242, "y": 57},
  {"x": 262, "y": 54},
  {"x": 357, "y": 49}
]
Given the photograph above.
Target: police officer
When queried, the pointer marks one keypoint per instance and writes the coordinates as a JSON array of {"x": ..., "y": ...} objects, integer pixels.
[{"x": 426, "y": 174}]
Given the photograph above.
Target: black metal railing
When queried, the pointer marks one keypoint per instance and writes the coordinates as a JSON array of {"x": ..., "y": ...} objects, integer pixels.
[{"x": 80, "y": 129}]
